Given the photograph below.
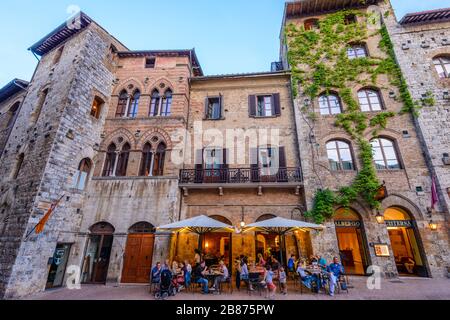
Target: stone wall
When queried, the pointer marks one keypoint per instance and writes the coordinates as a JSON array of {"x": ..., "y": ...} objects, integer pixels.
[
  {"x": 52, "y": 146},
  {"x": 6, "y": 116}
]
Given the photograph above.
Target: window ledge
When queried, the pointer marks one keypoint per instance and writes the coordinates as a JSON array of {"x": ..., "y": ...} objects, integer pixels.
[
  {"x": 218, "y": 119},
  {"x": 264, "y": 117}
]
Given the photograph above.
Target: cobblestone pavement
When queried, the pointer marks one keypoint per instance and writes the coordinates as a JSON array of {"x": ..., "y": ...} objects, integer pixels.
[{"x": 400, "y": 289}]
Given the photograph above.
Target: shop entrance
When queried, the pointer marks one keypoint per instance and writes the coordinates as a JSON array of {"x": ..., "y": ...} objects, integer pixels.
[
  {"x": 138, "y": 256},
  {"x": 351, "y": 240},
  {"x": 98, "y": 252},
  {"x": 216, "y": 246},
  {"x": 58, "y": 264},
  {"x": 405, "y": 243}
]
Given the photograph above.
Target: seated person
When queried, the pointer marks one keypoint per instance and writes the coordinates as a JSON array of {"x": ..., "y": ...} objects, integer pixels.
[
  {"x": 322, "y": 263},
  {"x": 261, "y": 261},
  {"x": 156, "y": 273},
  {"x": 307, "y": 279},
  {"x": 199, "y": 276},
  {"x": 335, "y": 270},
  {"x": 245, "y": 274},
  {"x": 223, "y": 278}
]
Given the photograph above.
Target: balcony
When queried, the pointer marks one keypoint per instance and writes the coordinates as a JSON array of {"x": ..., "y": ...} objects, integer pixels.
[{"x": 240, "y": 178}]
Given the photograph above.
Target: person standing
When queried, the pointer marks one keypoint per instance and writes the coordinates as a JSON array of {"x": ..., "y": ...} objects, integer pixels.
[
  {"x": 283, "y": 280},
  {"x": 268, "y": 279},
  {"x": 156, "y": 273},
  {"x": 291, "y": 264}
]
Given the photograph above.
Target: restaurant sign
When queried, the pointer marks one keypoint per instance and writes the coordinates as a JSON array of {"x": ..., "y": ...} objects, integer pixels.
[
  {"x": 347, "y": 224},
  {"x": 399, "y": 223}
]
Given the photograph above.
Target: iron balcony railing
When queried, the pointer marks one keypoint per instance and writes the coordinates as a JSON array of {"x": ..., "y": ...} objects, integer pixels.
[{"x": 245, "y": 175}]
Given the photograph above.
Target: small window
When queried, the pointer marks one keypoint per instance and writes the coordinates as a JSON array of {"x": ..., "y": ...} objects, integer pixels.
[
  {"x": 213, "y": 108},
  {"x": 122, "y": 161},
  {"x": 150, "y": 63},
  {"x": 356, "y": 51},
  {"x": 329, "y": 104},
  {"x": 166, "y": 105},
  {"x": 155, "y": 104},
  {"x": 18, "y": 166},
  {"x": 110, "y": 161},
  {"x": 265, "y": 106},
  {"x": 370, "y": 100},
  {"x": 385, "y": 154},
  {"x": 442, "y": 65},
  {"x": 82, "y": 174},
  {"x": 58, "y": 55},
  {"x": 96, "y": 108},
  {"x": 311, "y": 24},
  {"x": 340, "y": 156}
]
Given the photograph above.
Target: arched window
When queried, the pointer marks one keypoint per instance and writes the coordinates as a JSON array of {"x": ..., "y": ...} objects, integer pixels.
[
  {"x": 134, "y": 105},
  {"x": 41, "y": 102},
  {"x": 122, "y": 105},
  {"x": 442, "y": 65},
  {"x": 102, "y": 228},
  {"x": 12, "y": 114},
  {"x": 339, "y": 156},
  {"x": 221, "y": 219},
  {"x": 355, "y": 51},
  {"x": 329, "y": 104},
  {"x": 154, "y": 106},
  {"x": 81, "y": 176},
  {"x": 370, "y": 100},
  {"x": 265, "y": 217},
  {"x": 158, "y": 165},
  {"x": 110, "y": 161},
  {"x": 142, "y": 227},
  {"x": 122, "y": 161},
  {"x": 385, "y": 154},
  {"x": 311, "y": 24},
  {"x": 166, "y": 104},
  {"x": 146, "y": 163}
]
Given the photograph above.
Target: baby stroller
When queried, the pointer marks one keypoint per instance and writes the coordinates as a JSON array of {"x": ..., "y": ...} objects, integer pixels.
[{"x": 166, "y": 286}]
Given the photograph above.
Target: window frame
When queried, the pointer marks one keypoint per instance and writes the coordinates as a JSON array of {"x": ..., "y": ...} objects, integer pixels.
[
  {"x": 100, "y": 103},
  {"x": 383, "y": 153},
  {"x": 442, "y": 65},
  {"x": 77, "y": 178},
  {"x": 132, "y": 109},
  {"x": 329, "y": 106},
  {"x": 151, "y": 65},
  {"x": 272, "y": 106},
  {"x": 123, "y": 104},
  {"x": 207, "y": 108},
  {"x": 340, "y": 163},
  {"x": 355, "y": 47},
  {"x": 370, "y": 103}
]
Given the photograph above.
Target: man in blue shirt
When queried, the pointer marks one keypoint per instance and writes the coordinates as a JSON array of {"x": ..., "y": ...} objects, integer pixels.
[
  {"x": 291, "y": 264},
  {"x": 156, "y": 273},
  {"x": 335, "y": 270}
]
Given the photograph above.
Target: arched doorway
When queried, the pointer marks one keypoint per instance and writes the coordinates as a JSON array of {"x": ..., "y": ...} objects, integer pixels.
[
  {"x": 98, "y": 253},
  {"x": 405, "y": 242},
  {"x": 216, "y": 246},
  {"x": 352, "y": 241},
  {"x": 137, "y": 261}
]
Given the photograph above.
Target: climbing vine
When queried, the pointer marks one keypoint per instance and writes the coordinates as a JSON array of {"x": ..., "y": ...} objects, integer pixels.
[{"x": 319, "y": 63}]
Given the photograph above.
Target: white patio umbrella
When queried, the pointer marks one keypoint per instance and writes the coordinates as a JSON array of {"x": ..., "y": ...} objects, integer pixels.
[
  {"x": 199, "y": 225},
  {"x": 281, "y": 226}
]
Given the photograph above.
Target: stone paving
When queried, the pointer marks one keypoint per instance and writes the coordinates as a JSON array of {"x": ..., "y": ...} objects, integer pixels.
[{"x": 399, "y": 289}]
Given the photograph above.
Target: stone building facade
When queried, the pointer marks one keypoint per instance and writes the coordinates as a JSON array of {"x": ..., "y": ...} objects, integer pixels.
[
  {"x": 426, "y": 35},
  {"x": 408, "y": 182},
  {"x": 127, "y": 141}
]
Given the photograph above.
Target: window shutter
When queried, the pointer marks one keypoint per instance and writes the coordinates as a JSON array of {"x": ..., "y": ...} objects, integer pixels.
[
  {"x": 225, "y": 159},
  {"x": 252, "y": 105},
  {"x": 282, "y": 157},
  {"x": 221, "y": 106},
  {"x": 254, "y": 165},
  {"x": 206, "y": 116},
  {"x": 276, "y": 104},
  {"x": 199, "y": 166}
]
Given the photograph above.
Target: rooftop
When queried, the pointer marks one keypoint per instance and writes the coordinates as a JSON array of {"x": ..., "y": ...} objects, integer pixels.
[
  {"x": 431, "y": 16},
  {"x": 309, "y": 7},
  {"x": 12, "y": 88}
]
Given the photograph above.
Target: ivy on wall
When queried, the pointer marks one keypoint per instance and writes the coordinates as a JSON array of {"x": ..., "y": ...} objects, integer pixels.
[{"x": 319, "y": 63}]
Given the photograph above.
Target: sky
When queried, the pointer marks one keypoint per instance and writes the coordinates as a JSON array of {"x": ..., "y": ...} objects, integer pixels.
[{"x": 230, "y": 36}]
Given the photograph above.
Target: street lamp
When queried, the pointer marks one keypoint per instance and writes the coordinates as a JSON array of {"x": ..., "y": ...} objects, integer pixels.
[
  {"x": 433, "y": 225},
  {"x": 379, "y": 217}
]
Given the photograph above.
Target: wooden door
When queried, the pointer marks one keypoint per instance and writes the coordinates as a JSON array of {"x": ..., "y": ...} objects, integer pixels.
[{"x": 138, "y": 258}]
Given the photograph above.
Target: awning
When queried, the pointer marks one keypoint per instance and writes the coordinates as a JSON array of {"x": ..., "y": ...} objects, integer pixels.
[{"x": 200, "y": 225}]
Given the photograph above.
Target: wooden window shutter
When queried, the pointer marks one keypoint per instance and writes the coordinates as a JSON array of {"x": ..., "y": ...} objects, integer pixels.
[
  {"x": 276, "y": 104},
  {"x": 252, "y": 105},
  {"x": 206, "y": 116},
  {"x": 282, "y": 157},
  {"x": 225, "y": 159},
  {"x": 221, "y": 106}
]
